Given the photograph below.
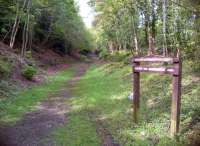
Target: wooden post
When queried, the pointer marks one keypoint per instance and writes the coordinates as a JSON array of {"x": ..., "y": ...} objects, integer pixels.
[
  {"x": 176, "y": 99},
  {"x": 136, "y": 91},
  {"x": 175, "y": 70}
]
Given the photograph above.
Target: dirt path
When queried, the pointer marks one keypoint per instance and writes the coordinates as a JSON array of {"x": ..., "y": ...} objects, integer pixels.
[
  {"x": 37, "y": 126},
  {"x": 35, "y": 129}
]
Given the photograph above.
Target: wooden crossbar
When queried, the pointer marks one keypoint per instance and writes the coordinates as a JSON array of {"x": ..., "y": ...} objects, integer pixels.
[
  {"x": 175, "y": 71},
  {"x": 162, "y": 70},
  {"x": 155, "y": 59}
]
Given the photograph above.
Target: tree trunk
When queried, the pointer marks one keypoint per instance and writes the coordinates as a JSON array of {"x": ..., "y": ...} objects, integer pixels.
[
  {"x": 15, "y": 27},
  {"x": 146, "y": 21},
  {"x": 150, "y": 39},
  {"x": 16, "y": 24},
  {"x": 26, "y": 30},
  {"x": 111, "y": 49},
  {"x": 153, "y": 27},
  {"x": 165, "y": 51},
  {"x": 146, "y": 31}
]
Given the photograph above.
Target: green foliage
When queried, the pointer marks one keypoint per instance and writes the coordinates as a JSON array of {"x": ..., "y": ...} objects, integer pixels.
[
  {"x": 168, "y": 141},
  {"x": 5, "y": 67},
  {"x": 29, "y": 55},
  {"x": 104, "y": 54},
  {"x": 196, "y": 66},
  {"x": 7, "y": 89},
  {"x": 122, "y": 56},
  {"x": 61, "y": 23},
  {"x": 117, "y": 56},
  {"x": 51, "y": 23},
  {"x": 119, "y": 23},
  {"x": 116, "y": 24},
  {"x": 83, "y": 58},
  {"x": 193, "y": 66},
  {"x": 28, "y": 72}
]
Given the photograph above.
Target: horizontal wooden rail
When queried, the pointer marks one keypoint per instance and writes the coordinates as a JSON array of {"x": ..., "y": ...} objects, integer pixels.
[
  {"x": 162, "y": 70},
  {"x": 155, "y": 59},
  {"x": 175, "y": 70}
]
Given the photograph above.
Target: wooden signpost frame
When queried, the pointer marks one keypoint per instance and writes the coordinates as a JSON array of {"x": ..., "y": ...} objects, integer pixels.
[{"x": 175, "y": 71}]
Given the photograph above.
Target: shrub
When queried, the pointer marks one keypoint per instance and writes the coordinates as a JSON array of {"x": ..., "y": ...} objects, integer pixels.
[
  {"x": 192, "y": 66},
  {"x": 83, "y": 57},
  {"x": 119, "y": 56},
  {"x": 196, "y": 66},
  {"x": 104, "y": 54},
  {"x": 29, "y": 54},
  {"x": 28, "y": 72}
]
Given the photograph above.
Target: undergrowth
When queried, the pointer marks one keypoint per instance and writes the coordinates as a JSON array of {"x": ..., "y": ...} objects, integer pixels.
[
  {"x": 102, "y": 95},
  {"x": 29, "y": 72},
  {"x": 5, "y": 67},
  {"x": 7, "y": 89},
  {"x": 118, "y": 56}
]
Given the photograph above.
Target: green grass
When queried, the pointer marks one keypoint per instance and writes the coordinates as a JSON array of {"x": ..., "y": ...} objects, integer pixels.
[
  {"x": 13, "y": 109},
  {"x": 102, "y": 95},
  {"x": 5, "y": 67},
  {"x": 79, "y": 131}
]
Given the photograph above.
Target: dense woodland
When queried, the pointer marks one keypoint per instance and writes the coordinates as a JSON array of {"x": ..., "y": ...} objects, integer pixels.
[
  {"x": 26, "y": 24},
  {"x": 142, "y": 27},
  {"x": 149, "y": 26},
  {"x": 63, "y": 83}
]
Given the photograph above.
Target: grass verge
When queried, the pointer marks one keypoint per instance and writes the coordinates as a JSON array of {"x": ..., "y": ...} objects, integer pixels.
[
  {"x": 13, "y": 109},
  {"x": 102, "y": 95}
]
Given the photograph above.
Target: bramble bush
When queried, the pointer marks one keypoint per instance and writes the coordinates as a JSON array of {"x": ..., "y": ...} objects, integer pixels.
[{"x": 28, "y": 72}]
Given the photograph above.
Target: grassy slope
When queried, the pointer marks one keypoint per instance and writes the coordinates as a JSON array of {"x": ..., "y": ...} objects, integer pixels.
[
  {"x": 102, "y": 95},
  {"x": 13, "y": 109}
]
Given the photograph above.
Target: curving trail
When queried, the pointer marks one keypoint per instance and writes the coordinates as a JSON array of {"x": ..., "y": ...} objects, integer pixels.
[{"x": 35, "y": 129}]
